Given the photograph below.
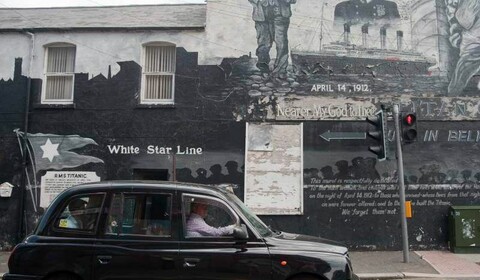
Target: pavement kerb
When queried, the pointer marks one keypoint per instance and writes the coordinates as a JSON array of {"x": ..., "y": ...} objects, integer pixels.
[
  {"x": 410, "y": 275},
  {"x": 424, "y": 275},
  {"x": 375, "y": 276}
]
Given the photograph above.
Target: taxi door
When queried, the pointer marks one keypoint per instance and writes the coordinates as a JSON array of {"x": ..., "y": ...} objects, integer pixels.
[
  {"x": 140, "y": 239},
  {"x": 220, "y": 257}
]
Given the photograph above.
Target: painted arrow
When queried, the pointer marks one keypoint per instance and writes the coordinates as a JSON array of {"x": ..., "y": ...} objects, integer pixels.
[{"x": 343, "y": 135}]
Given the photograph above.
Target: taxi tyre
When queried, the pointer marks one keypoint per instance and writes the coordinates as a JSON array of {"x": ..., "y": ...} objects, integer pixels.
[
  {"x": 63, "y": 276},
  {"x": 306, "y": 277}
]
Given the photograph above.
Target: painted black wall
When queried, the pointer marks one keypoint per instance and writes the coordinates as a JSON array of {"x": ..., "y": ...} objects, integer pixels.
[
  {"x": 212, "y": 104},
  {"x": 12, "y": 111},
  {"x": 107, "y": 110}
]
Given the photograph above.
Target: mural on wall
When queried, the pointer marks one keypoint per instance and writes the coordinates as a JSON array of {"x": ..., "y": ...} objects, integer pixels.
[
  {"x": 216, "y": 174},
  {"x": 272, "y": 18},
  {"x": 51, "y": 151},
  {"x": 195, "y": 147},
  {"x": 372, "y": 47},
  {"x": 391, "y": 52},
  {"x": 463, "y": 17},
  {"x": 343, "y": 179}
]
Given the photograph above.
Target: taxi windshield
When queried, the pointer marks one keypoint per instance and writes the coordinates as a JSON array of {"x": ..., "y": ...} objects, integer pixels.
[{"x": 255, "y": 221}]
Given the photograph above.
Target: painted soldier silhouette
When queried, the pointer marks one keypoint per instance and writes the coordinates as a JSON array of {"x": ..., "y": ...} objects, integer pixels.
[
  {"x": 233, "y": 176},
  {"x": 216, "y": 177}
]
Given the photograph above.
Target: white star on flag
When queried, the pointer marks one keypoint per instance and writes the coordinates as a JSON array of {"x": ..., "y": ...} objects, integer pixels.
[{"x": 49, "y": 150}]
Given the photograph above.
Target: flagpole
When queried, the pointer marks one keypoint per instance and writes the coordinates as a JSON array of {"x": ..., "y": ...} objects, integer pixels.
[
  {"x": 25, "y": 176},
  {"x": 34, "y": 168}
]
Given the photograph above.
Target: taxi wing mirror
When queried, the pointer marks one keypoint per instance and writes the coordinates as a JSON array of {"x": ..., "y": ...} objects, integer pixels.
[{"x": 240, "y": 232}]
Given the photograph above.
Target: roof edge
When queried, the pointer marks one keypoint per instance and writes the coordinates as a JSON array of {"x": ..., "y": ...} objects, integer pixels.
[
  {"x": 97, "y": 7},
  {"x": 118, "y": 29}
]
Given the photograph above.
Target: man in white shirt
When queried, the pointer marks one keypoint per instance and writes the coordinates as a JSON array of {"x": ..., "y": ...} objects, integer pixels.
[{"x": 197, "y": 227}]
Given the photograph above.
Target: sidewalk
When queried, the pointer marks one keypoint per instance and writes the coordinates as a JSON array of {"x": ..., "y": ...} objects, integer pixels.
[
  {"x": 422, "y": 265},
  {"x": 3, "y": 262}
]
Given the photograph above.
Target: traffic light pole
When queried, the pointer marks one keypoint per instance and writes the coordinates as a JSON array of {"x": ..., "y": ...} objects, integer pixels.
[{"x": 396, "y": 116}]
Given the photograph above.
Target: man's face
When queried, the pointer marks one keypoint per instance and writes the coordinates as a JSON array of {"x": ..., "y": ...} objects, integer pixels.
[{"x": 202, "y": 210}]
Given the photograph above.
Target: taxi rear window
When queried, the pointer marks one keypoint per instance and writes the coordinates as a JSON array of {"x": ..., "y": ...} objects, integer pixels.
[{"x": 81, "y": 213}]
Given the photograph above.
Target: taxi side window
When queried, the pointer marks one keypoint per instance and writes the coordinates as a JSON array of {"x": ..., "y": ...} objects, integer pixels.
[
  {"x": 81, "y": 213},
  {"x": 204, "y": 217},
  {"x": 140, "y": 214}
]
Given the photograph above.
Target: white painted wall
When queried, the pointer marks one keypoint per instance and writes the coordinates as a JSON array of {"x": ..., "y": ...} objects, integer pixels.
[{"x": 13, "y": 45}]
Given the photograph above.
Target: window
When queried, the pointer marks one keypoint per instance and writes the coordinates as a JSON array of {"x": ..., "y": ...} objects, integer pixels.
[
  {"x": 158, "y": 76},
  {"x": 81, "y": 213},
  {"x": 59, "y": 74},
  {"x": 140, "y": 214},
  {"x": 207, "y": 217}
]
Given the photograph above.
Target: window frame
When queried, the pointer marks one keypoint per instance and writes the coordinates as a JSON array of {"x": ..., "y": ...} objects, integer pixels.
[
  {"x": 46, "y": 74},
  {"x": 74, "y": 231},
  {"x": 120, "y": 224},
  {"x": 235, "y": 215},
  {"x": 143, "y": 100}
]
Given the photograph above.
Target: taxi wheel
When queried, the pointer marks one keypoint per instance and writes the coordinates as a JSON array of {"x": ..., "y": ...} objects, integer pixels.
[
  {"x": 305, "y": 277},
  {"x": 63, "y": 276}
]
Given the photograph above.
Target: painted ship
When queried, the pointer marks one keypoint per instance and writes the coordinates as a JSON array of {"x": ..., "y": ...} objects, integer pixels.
[{"x": 343, "y": 57}]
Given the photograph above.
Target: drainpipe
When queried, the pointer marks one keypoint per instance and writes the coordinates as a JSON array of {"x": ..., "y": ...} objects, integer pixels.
[{"x": 21, "y": 206}]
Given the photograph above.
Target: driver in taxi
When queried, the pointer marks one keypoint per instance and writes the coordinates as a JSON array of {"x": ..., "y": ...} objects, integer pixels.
[{"x": 197, "y": 227}]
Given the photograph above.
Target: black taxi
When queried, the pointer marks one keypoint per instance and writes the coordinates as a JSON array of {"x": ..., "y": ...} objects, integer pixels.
[{"x": 165, "y": 230}]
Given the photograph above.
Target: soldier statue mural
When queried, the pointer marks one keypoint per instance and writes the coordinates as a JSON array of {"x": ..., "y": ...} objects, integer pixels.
[{"x": 272, "y": 18}]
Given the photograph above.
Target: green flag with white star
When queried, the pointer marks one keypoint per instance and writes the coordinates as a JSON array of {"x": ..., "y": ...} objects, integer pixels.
[{"x": 52, "y": 151}]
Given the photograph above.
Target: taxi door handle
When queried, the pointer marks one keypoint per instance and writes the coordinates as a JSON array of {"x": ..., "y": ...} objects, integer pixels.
[
  {"x": 190, "y": 262},
  {"x": 104, "y": 259}
]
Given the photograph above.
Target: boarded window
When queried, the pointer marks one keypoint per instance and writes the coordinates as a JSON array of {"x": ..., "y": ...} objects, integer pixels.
[
  {"x": 274, "y": 176},
  {"x": 158, "y": 77},
  {"x": 59, "y": 74}
]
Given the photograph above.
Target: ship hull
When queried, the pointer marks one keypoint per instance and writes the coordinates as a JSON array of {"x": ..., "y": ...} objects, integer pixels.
[{"x": 339, "y": 64}]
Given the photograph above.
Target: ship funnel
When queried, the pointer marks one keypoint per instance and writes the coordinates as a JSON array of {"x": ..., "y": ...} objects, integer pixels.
[
  {"x": 346, "y": 33},
  {"x": 365, "y": 35},
  {"x": 383, "y": 38},
  {"x": 399, "y": 40}
]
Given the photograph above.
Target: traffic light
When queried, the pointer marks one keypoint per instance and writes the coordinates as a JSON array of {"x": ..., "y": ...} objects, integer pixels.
[
  {"x": 378, "y": 135},
  {"x": 409, "y": 127}
]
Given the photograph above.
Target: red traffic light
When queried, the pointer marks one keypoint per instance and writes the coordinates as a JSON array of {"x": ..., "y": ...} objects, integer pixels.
[{"x": 410, "y": 119}]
